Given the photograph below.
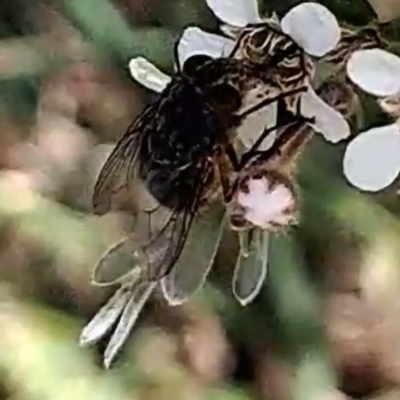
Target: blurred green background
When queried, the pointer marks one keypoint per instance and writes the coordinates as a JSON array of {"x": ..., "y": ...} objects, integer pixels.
[{"x": 326, "y": 325}]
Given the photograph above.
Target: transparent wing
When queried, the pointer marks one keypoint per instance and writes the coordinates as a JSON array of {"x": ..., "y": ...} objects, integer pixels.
[
  {"x": 118, "y": 168},
  {"x": 197, "y": 257},
  {"x": 105, "y": 318},
  {"x": 251, "y": 266},
  {"x": 168, "y": 241},
  {"x": 139, "y": 293}
]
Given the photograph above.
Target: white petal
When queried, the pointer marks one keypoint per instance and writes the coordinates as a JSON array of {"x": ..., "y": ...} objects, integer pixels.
[
  {"x": 196, "y": 41},
  {"x": 372, "y": 159},
  {"x": 328, "y": 121},
  {"x": 148, "y": 75},
  {"x": 105, "y": 318},
  {"x": 117, "y": 264},
  {"x": 251, "y": 270},
  {"x": 375, "y": 71},
  {"x": 313, "y": 27},
  {"x": 236, "y": 12},
  {"x": 139, "y": 295},
  {"x": 252, "y": 127}
]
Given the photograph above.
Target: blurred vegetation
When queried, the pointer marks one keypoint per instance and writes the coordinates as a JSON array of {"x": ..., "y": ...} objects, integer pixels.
[{"x": 327, "y": 317}]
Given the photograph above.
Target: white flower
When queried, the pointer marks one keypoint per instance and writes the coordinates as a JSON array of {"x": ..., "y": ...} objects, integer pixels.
[
  {"x": 265, "y": 198},
  {"x": 314, "y": 28},
  {"x": 372, "y": 159},
  {"x": 266, "y": 204},
  {"x": 311, "y": 25}
]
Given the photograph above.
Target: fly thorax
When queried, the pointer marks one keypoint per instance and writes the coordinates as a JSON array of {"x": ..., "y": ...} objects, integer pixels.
[{"x": 264, "y": 198}]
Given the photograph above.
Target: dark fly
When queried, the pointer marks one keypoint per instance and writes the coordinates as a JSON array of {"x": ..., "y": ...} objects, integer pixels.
[
  {"x": 174, "y": 147},
  {"x": 180, "y": 148},
  {"x": 351, "y": 41}
]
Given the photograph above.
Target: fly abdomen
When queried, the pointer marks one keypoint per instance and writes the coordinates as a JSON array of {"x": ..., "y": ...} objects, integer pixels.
[{"x": 172, "y": 188}]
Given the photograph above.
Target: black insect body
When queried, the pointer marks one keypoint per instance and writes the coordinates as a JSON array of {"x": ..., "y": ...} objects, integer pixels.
[
  {"x": 177, "y": 143},
  {"x": 174, "y": 147}
]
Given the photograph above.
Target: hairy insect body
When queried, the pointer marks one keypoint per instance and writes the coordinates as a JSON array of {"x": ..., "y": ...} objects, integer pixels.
[
  {"x": 177, "y": 142},
  {"x": 284, "y": 64},
  {"x": 194, "y": 120}
]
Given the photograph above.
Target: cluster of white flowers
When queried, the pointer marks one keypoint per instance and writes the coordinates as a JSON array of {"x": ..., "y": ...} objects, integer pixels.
[
  {"x": 372, "y": 159},
  {"x": 312, "y": 26}
]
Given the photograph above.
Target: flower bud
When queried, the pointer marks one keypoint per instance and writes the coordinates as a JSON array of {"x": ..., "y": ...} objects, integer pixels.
[{"x": 265, "y": 198}]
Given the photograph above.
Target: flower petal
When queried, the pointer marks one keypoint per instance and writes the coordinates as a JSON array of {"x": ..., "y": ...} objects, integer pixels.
[
  {"x": 328, "y": 121},
  {"x": 144, "y": 72},
  {"x": 375, "y": 71},
  {"x": 313, "y": 27},
  {"x": 105, "y": 318},
  {"x": 237, "y": 12},
  {"x": 372, "y": 159},
  {"x": 118, "y": 264},
  {"x": 139, "y": 294},
  {"x": 251, "y": 269},
  {"x": 196, "y": 41},
  {"x": 252, "y": 127}
]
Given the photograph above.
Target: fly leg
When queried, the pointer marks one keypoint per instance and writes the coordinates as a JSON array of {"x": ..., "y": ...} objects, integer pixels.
[
  {"x": 228, "y": 166},
  {"x": 289, "y": 143},
  {"x": 285, "y": 123}
]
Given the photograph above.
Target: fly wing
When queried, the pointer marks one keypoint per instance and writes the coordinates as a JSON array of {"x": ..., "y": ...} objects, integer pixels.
[
  {"x": 166, "y": 234},
  {"x": 157, "y": 241},
  {"x": 251, "y": 266},
  {"x": 197, "y": 257},
  {"x": 118, "y": 169}
]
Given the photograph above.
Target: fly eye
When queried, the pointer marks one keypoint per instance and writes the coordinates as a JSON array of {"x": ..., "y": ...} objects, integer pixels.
[
  {"x": 225, "y": 96},
  {"x": 193, "y": 63}
]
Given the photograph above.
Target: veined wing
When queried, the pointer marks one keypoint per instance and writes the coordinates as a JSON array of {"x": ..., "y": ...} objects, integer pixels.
[
  {"x": 167, "y": 239},
  {"x": 157, "y": 241},
  {"x": 197, "y": 257},
  {"x": 118, "y": 169},
  {"x": 251, "y": 266}
]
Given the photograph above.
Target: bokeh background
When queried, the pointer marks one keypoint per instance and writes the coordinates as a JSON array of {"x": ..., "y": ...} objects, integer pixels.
[{"x": 326, "y": 325}]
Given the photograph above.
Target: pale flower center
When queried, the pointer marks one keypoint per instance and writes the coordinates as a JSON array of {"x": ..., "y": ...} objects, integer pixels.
[{"x": 265, "y": 205}]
